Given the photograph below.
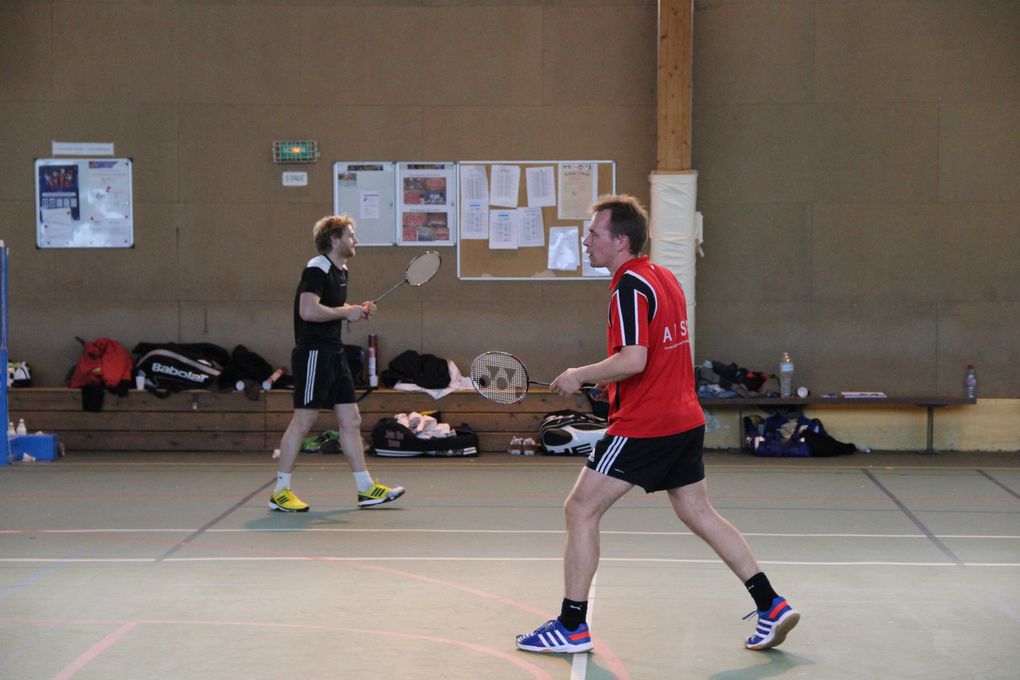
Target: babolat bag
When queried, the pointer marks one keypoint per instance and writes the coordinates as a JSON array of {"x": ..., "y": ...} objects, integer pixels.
[
  {"x": 172, "y": 368},
  {"x": 571, "y": 433}
]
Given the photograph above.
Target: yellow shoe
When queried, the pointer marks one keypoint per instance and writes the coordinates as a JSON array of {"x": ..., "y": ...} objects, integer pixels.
[
  {"x": 378, "y": 494},
  {"x": 286, "y": 501}
]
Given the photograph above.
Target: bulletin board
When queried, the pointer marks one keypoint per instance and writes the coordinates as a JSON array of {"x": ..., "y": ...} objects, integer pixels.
[
  {"x": 83, "y": 203},
  {"x": 426, "y": 204},
  {"x": 366, "y": 192},
  {"x": 526, "y": 219}
]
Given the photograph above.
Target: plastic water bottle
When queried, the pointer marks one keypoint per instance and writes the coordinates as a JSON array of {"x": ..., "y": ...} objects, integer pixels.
[
  {"x": 10, "y": 428},
  {"x": 971, "y": 382},
  {"x": 21, "y": 429},
  {"x": 786, "y": 376}
]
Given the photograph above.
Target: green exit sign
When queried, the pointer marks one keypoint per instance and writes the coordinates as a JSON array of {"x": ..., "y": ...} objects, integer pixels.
[{"x": 295, "y": 151}]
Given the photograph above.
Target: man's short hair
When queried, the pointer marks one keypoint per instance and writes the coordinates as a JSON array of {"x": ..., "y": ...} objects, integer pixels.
[
  {"x": 627, "y": 217},
  {"x": 328, "y": 227}
]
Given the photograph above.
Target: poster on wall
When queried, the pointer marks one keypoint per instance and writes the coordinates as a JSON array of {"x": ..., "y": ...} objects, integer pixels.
[
  {"x": 365, "y": 191},
  {"x": 83, "y": 203},
  {"x": 427, "y": 204}
]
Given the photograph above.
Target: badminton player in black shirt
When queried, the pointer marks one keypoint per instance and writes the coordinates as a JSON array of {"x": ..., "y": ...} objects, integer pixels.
[{"x": 322, "y": 378}]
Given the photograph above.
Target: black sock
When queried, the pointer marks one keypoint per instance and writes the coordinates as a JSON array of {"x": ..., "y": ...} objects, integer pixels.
[
  {"x": 573, "y": 614},
  {"x": 761, "y": 590}
]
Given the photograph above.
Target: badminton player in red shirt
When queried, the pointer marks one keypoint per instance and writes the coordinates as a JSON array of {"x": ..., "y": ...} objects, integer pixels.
[{"x": 656, "y": 432}]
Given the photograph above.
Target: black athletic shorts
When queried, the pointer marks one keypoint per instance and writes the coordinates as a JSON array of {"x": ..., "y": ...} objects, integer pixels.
[
  {"x": 321, "y": 379},
  {"x": 653, "y": 463}
]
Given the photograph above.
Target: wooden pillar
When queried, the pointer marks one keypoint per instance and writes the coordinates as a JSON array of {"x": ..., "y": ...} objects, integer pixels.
[{"x": 676, "y": 37}]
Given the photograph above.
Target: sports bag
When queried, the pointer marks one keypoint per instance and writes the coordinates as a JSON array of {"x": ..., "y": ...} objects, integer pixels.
[
  {"x": 393, "y": 440},
  {"x": 571, "y": 433},
  {"x": 169, "y": 371}
]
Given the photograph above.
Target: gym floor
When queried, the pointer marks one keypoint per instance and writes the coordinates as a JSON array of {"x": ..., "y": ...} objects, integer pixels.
[{"x": 154, "y": 566}]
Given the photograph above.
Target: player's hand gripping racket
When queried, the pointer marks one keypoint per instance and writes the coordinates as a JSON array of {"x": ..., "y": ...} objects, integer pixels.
[
  {"x": 420, "y": 271},
  {"x": 503, "y": 378}
]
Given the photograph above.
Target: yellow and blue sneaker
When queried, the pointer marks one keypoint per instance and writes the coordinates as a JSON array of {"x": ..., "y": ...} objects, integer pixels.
[{"x": 286, "y": 501}]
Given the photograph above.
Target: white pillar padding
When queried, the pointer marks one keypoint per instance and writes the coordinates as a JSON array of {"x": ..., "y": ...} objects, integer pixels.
[{"x": 676, "y": 231}]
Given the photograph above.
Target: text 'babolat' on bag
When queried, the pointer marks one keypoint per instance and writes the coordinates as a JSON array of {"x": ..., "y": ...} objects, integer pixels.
[{"x": 171, "y": 371}]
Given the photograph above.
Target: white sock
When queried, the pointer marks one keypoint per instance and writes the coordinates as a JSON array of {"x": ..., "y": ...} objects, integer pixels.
[
  {"x": 282, "y": 481},
  {"x": 363, "y": 480}
]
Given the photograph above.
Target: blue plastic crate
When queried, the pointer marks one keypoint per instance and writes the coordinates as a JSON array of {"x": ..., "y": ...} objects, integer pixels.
[{"x": 39, "y": 446}]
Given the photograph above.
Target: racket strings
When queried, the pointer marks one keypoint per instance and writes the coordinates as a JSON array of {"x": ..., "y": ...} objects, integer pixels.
[
  {"x": 500, "y": 377},
  {"x": 422, "y": 268}
]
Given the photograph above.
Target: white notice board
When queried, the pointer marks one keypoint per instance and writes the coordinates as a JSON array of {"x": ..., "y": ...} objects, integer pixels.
[
  {"x": 364, "y": 190},
  {"x": 83, "y": 203}
]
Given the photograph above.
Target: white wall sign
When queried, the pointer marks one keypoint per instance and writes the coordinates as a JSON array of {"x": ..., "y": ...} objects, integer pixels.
[{"x": 295, "y": 179}]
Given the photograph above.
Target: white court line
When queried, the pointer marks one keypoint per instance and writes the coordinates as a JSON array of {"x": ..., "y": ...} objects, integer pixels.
[
  {"x": 483, "y": 531},
  {"x": 851, "y": 563},
  {"x": 579, "y": 664}
]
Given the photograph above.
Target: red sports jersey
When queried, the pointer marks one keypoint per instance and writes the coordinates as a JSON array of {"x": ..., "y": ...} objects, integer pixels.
[{"x": 648, "y": 308}]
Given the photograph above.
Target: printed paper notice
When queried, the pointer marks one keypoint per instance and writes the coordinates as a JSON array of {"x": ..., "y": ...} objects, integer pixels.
[
  {"x": 578, "y": 190},
  {"x": 506, "y": 183},
  {"x": 586, "y": 268},
  {"x": 564, "y": 248},
  {"x": 474, "y": 186},
  {"x": 530, "y": 227},
  {"x": 503, "y": 230},
  {"x": 541, "y": 186},
  {"x": 474, "y": 220},
  {"x": 369, "y": 203}
]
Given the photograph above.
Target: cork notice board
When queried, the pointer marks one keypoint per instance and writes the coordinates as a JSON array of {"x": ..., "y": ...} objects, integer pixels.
[{"x": 526, "y": 219}]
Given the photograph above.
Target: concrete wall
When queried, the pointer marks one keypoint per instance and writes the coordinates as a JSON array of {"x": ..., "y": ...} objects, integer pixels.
[{"x": 859, "y": 171}]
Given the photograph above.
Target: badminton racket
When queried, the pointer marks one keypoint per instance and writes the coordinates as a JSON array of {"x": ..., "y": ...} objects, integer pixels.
[
  {"x": 503, "y": 378},
  {"x": 420, "y": 271}
]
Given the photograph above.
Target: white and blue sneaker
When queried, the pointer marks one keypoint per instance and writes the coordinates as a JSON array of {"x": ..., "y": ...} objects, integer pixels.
[
  {"x": 773, "y": 624},
  {"x": 552, "y": 636}
]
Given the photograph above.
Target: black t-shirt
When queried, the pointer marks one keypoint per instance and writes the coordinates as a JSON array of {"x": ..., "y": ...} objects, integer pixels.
[{"x": 329, "y": 283}]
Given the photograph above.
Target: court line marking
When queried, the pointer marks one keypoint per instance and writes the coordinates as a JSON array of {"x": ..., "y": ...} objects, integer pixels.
[
  {"x": 208, "y": 525},
  {"x": 452, "y": 558},
  {"x": 560, "y": 532},
  {"x": 913, "y": 518},
  {"x": 579, "y": 662},
  {"x": 127, "y": 626},
  {"x": 993, "y": 480}
]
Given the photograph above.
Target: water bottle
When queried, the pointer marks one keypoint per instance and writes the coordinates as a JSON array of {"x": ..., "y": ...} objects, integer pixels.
[
  {"x": 21, "y": 429},
  {"x": 786, "y": 376},
  {"x": 10, "y": 429},
  {"x": 971, "y": 382}
]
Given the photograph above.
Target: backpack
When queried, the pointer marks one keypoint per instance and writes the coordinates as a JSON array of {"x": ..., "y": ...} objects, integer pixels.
[
  {"x": 104, "y": 362},
  {"x": 807, "y": 437},
  {"x": 766, "y": 437}
]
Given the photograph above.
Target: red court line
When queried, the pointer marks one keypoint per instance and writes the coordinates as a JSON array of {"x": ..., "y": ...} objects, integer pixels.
[
  {"x": 95, "y": 650},
  {"x": 90, "y": 654}
]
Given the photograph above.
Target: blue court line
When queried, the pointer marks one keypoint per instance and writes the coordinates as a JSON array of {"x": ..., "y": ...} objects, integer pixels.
[
  {"x": 913, "y": 518},
  {"x": 213, "y": 522},
  {"x": 993, "y": 480},
  {"x": 35, "y": 576}
]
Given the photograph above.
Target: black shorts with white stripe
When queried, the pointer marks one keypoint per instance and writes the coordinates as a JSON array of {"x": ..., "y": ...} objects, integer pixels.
[
  {"x": 322, "y": 379},
  {"x": 653, "y": 463}
]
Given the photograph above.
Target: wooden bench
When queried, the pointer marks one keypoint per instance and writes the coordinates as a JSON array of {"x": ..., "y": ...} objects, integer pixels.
[
  {"x": 201, "y": 420},
  {"x": 228, "y": 421},
  {"x": 777, "y": 403}
]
